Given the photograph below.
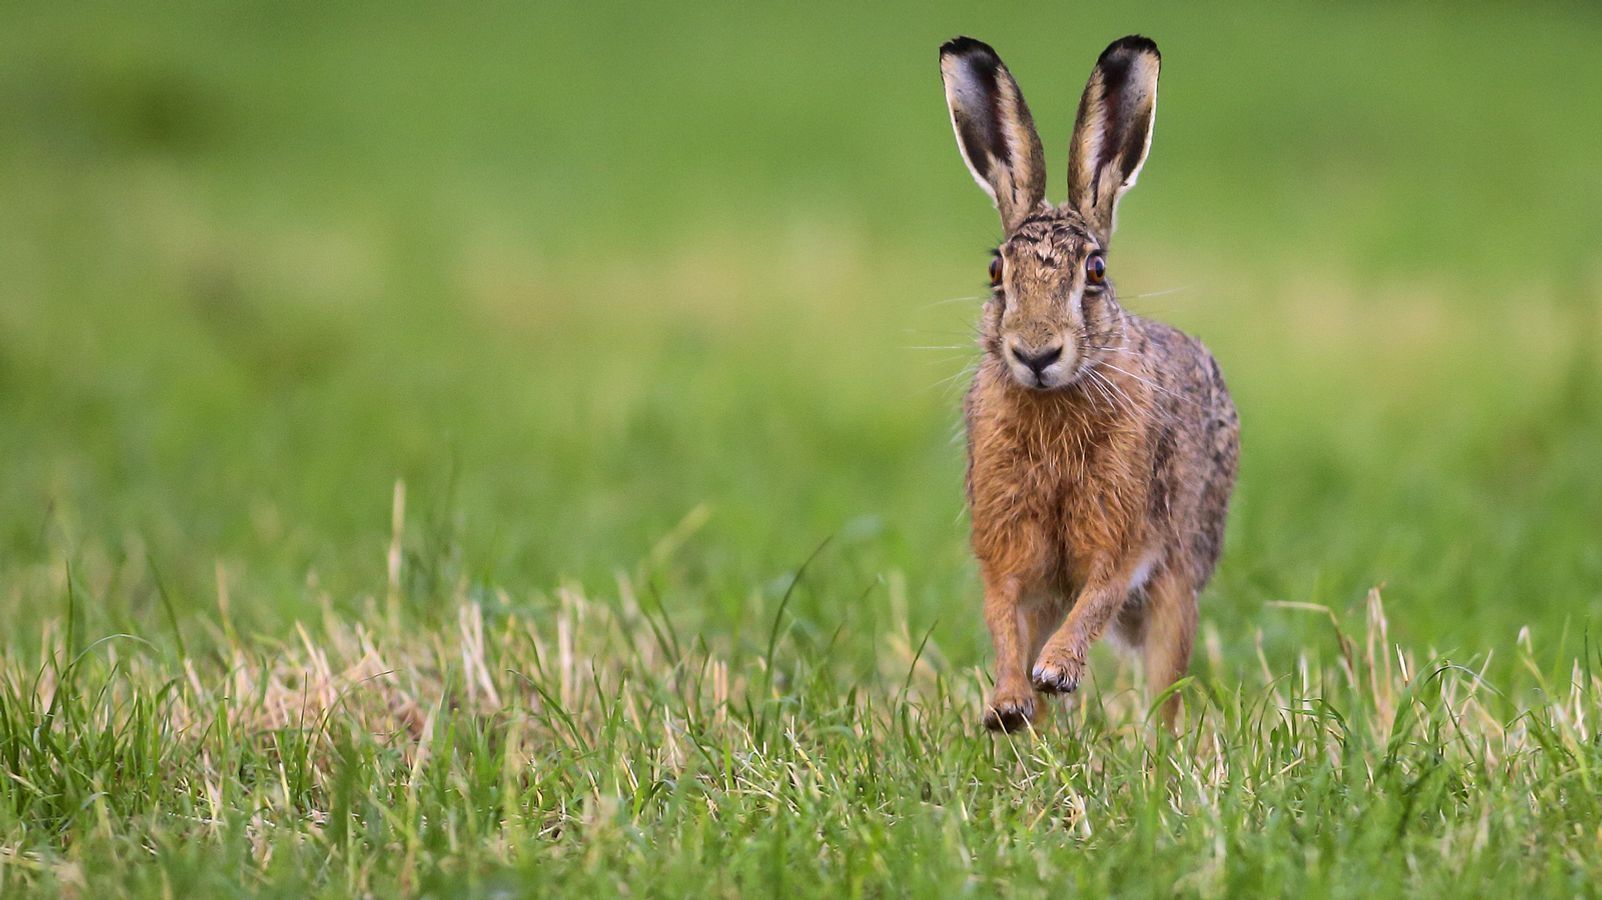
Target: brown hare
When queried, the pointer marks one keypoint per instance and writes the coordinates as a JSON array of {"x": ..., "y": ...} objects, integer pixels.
[{"x": 1102, "y": 446}]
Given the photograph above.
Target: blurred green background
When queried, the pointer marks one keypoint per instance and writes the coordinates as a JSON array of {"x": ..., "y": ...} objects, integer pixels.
[{"x": 575, "y": 272}]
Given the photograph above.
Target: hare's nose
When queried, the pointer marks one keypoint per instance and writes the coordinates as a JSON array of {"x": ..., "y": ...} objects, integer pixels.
[{"x": 1037, "y": 360}]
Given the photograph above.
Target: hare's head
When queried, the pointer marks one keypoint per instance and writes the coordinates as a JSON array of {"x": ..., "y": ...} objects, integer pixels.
[{"x": 1052, "y": 312}]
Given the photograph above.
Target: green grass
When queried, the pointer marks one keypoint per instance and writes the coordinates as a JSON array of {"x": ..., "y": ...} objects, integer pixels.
[
  {"x": 650, "y": 310},
  {"x": 591, "y": 747}
]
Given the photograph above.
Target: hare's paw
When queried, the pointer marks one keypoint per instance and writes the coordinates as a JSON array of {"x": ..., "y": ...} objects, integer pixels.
[
  {"x": 1057, "y": 673},
  {"x": 1010, "y": 710}
]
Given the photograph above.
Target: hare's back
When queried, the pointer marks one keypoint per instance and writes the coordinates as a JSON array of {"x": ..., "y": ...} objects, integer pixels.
[{"x": 1196, "y": 444}]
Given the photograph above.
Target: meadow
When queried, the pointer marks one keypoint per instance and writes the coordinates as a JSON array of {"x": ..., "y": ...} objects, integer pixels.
[{"x": 516, "y": 450}]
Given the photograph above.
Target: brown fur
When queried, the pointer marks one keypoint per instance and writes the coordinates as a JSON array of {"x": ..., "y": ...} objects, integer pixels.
[{"x": 1099, "y": 485}]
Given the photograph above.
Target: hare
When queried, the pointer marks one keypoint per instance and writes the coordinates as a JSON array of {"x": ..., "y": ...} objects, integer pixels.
[{"x": 1102, "y": 447}]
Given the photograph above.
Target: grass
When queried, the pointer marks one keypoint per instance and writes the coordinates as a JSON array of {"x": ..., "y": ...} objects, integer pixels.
[
  {"x": 590, "y": 747},
  {"x": 660, "y": 320}
]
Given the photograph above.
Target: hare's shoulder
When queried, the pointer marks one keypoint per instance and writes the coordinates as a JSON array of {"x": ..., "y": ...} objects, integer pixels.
[
  {"x": 1180, "y": 366},
  {"x": 1198, "y": 429}
]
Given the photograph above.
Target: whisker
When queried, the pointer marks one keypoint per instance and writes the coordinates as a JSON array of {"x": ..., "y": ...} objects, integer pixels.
[
  {"x": 1150, "y": 294},
  {"x": 971, "y": 332},
  {"x": 1095, "y": 381},
  {"x": 1099, "y": 382},
  {"x": 950, "y": 300},
  {"x": 956, "y": 377},
  {"x": 1151, "y": 384},
  {"x": 1130, "y": 406}
]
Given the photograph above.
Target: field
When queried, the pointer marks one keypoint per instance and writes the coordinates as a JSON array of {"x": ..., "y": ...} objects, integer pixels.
[{"x": 516, "y": 450}]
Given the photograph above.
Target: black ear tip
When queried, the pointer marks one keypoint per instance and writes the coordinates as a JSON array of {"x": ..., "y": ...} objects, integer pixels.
[
  {"x": 1130, "y": 44},
  {"x": 966, "y": 46}
]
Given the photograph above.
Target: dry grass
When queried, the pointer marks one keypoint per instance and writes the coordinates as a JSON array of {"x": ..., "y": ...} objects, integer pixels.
[{"x": 561, "y": 739}]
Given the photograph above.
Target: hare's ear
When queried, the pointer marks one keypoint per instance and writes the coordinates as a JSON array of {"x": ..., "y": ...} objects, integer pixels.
[
  {"x": 1113, "y": 132},
  {"x": 994, "y": 131}
]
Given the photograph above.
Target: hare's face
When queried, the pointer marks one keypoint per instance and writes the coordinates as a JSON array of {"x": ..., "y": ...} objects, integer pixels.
[{"x": 1052, "y": 312}]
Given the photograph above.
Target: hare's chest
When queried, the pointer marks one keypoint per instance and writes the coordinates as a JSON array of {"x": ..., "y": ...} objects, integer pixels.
[{"x": 1061, "y": 495}]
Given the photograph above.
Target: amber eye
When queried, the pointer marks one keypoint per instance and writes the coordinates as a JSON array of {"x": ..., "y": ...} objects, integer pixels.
[
  {"x": 1095, "y": 269},
  {"x": 995, "y": 271}
]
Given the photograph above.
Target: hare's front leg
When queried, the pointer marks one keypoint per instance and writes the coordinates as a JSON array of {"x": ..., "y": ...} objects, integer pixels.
[
  {"x": 1012, "y": 702},
  {"x": 1062, "y": 660}
]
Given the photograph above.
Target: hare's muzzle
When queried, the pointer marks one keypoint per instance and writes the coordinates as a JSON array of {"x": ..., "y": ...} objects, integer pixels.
[{"x": 1036, "y": 367}]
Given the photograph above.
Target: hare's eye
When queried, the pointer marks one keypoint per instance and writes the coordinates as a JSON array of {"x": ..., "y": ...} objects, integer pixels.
[
  {"x": 995, "y": 271},
  {"x": 1095, "y": 269}
]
